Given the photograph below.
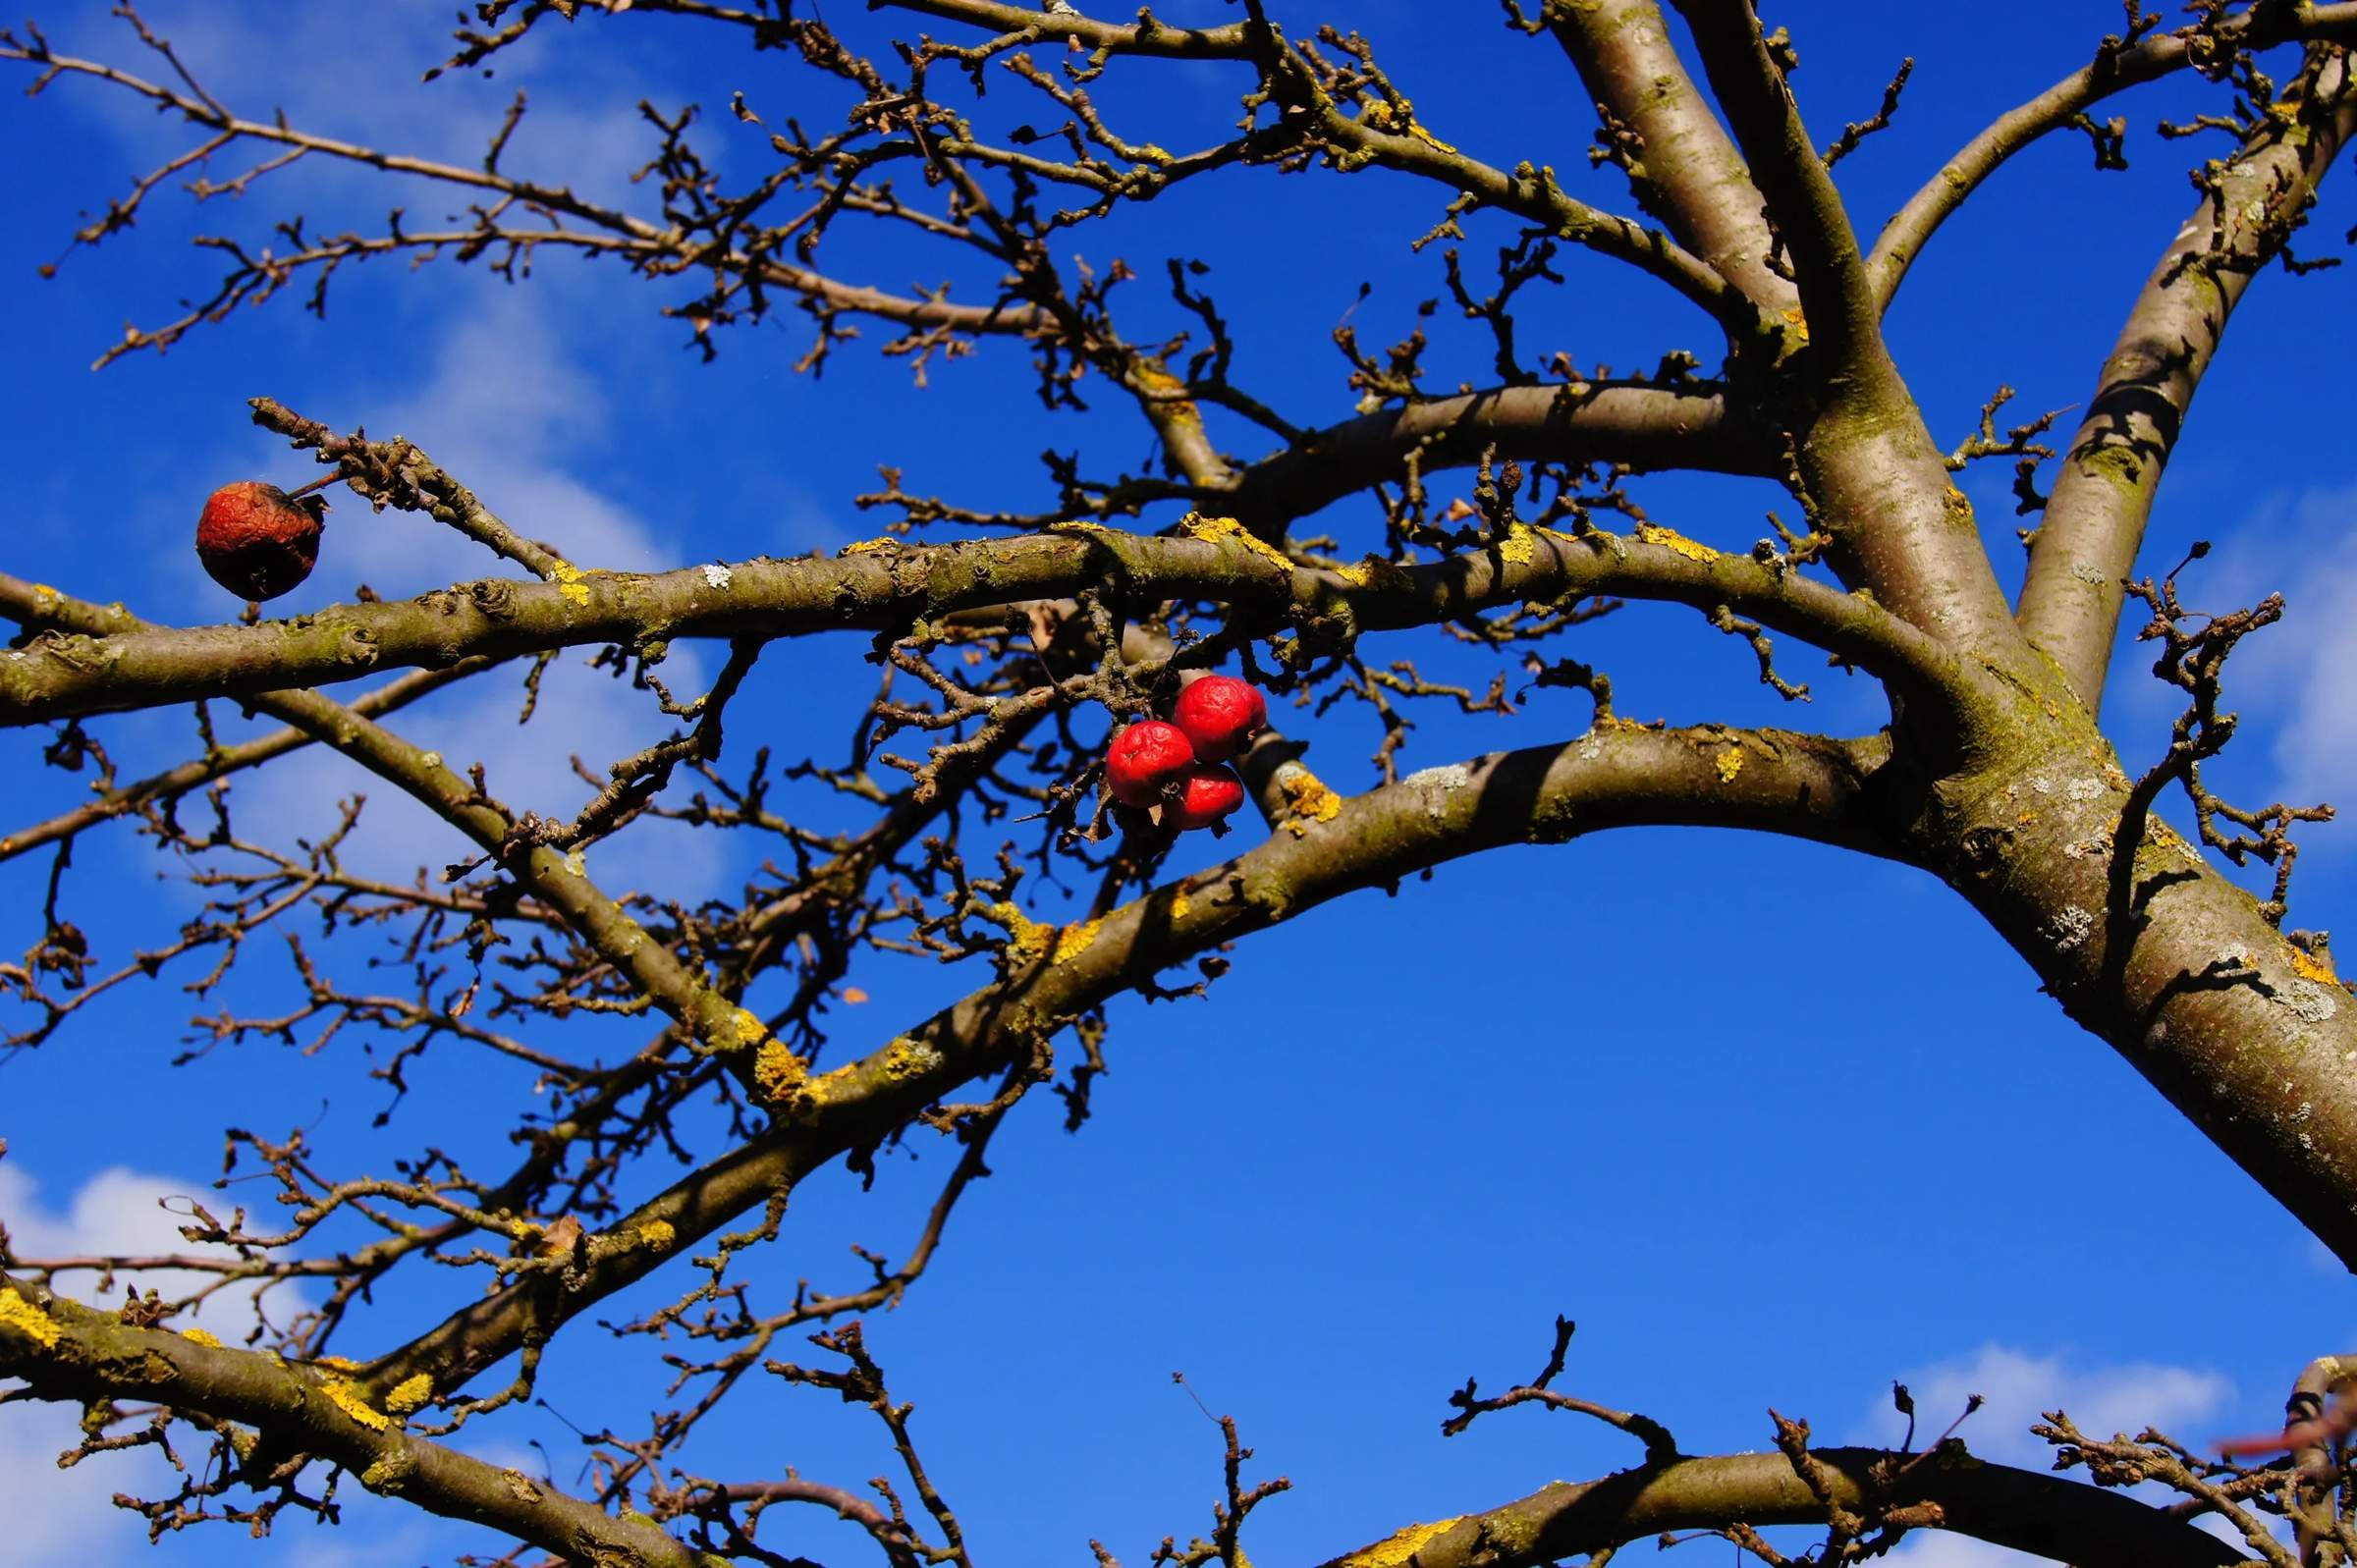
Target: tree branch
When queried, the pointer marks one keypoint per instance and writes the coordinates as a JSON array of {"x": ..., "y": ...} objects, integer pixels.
[
  {"x": 2148, "y": 945},
  {"x": 2044, "y": 1515},
  {"x": 1621, "y": 775},
  {"x": 1646, "y": 427},
  {"x": 2111, "y": 473},
  {"x": 656, "y": 248},
  {"x": 1911, "y": 228},
  {"x": 222, "y": 761},
  {"x": 1864, "y": 457},
  {"x": 564, "y": 886},
  {"x": 1152, "y": 39},
  {"x": 1843, "y": 327},
  {"x": 61, "y": 676},
  {"x": 1688, "y": 173},
  {"x": 66, "y": 1351}
]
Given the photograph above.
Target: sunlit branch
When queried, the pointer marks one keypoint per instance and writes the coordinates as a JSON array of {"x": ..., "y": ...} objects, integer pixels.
[
  {"x": 72, "y": 673},
  {"x": 2114, "y": 70},
  {"x": 1621, "y": 775}
]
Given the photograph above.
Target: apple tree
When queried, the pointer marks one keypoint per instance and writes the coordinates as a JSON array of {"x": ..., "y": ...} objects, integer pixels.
[{"x": 1296, "y": 553}]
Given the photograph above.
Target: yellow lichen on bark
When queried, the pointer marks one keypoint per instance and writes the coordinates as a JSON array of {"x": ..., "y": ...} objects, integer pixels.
[
  {"x": 2311, "y": 967},
  {"x": 1214, "y": 530},
  {"x": 1308, "y": 800},
  {"x": 778, "y": 1071},
  {"x": 28, "y": 1320},
  {"x": 1371, "y": 571},
  {"x": 410, "y": 1394},
  {"x": 1731, "y": 763},
  {"x": 348, "y": 1399},
  {"x": 1074, "y": 941},
  {"x": 1670, "y": 539},
  {"x": 1165, "y": 391},
  {"x": 201, "y": 1336},
  {"x": 1026, "y": 938},
  {"x": 658, "y": 1234},
  {"x": 1399, "y": 1549}
]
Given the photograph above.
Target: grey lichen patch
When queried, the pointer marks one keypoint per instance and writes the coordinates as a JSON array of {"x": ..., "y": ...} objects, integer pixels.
[
  {"x": 2094, "y": 847},
  {"x": 390, "y": 1472},
  {"x": 2308, "y": 1000},
  {"x": 1270, "y": 894},
  {"x": 1439, "y": 784},
  {"x": 2070, "y": 928},
  {"x": 2117, "y": 465}
]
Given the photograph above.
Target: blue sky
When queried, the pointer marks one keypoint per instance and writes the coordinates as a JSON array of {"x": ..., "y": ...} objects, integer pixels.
[{"x": 1774, "y": 1124}]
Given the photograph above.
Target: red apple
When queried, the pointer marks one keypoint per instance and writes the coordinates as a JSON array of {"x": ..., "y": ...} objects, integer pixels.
[
  {"x": 1221, "y": 714},
  {"x": 1144, "y": 759},
  {"x": 255, "y": 541},
  {"x": 1205, "y": 796}
]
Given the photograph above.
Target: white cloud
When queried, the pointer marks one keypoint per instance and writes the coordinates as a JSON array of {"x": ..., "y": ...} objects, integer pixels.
[
  {"x": 381, "y": 1544},
  {"x": 119, "y": 1212},
  {"x": 2294, "y": 675},
  {"x": 581, "y": 124},
  {"x": 1936, "y": 1548},
  {"x": 505, "y": 409},
  {"x": 2020, "y": 1388},
  {"x": 58, "y": 1515}
]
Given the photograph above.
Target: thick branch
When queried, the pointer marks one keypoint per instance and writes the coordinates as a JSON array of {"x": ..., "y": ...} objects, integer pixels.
[
  {"x": 1621, "y": 775},
  {"x": 63, "y": 675},
  {"x": 679, "y": 988},
  {"x": 1647, "y": 427},
  {"x": 66, "y": 1351},
  {"x": 2148, "y": 945},
  {"x": 1802, "y": 201},
  {"x": 2110, "y": 475},
  {"x": 1688, "y": 173},
  {"x": 2043, "y": 1515},
  {"x": 222, "y": 761}
]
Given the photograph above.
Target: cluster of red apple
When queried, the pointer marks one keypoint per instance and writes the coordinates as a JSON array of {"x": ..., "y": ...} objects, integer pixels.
[
  {"x": 1182, "y": 765},
  {"x": 257, "y": 541}
]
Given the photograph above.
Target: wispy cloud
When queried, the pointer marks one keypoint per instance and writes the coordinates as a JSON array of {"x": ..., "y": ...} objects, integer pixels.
[
  {"x": 59, "y": 1516},
  {"x": 580, "y": 101},
  {"x": 1935, "y": 1549},
  {"x": 64, "y": 1516},
  {"x": 508, "y": 409},
  {"x": 120, "y": 1212},
  {"x": 2019, "y": 1387},
  {"x": 2291, "y": 681}
]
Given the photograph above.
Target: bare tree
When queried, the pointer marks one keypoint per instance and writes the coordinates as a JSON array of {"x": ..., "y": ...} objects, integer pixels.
[{"x": 1008, "y": 633}]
